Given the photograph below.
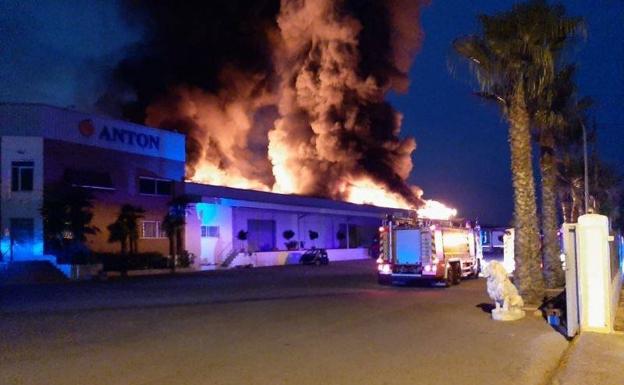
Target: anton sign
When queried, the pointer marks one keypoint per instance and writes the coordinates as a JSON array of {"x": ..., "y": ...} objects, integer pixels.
[{"x": 120, "y": 135}]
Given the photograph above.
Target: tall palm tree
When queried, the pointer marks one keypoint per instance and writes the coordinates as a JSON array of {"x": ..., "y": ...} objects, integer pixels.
[
  {"x": 570, "y": 162},
  {"x": 173, "y": 225},
  {"x": 552, "y": 111},
  {"x": 513, "y": 60}
]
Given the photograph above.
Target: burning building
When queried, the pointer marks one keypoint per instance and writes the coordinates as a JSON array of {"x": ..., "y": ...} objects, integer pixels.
[
  {"x": 286, "y": 98},
  {"x": 122, "y": 163}
]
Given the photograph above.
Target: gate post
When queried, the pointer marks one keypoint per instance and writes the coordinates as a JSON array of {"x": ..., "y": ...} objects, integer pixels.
[
  {"x": 592, "y": 235},
  {"x": 568, "y": 235}
]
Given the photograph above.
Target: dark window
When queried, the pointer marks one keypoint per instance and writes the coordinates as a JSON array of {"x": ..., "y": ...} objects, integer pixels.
[
  {"x": 22, "y": 175},
  {"x": 147, "y": 186},
  {"x": 151, "y": 186},
  {"x": 163, "y": 187}
]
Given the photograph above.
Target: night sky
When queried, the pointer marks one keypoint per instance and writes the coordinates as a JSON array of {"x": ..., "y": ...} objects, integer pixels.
[{"x": 64, "y": 53}]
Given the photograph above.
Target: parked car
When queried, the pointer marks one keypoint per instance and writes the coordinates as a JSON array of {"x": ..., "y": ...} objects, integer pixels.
[{"x": 314, "y": 257}]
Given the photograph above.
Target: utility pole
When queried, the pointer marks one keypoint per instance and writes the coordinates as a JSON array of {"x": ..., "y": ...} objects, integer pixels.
[{"x": 586, "y": 167}]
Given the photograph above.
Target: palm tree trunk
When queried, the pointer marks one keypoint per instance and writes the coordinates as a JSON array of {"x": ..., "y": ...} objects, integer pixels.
[
  {"x": 528, "y": 275},
  {"x": 174, "y": 250},
  {"x": 553, "y": 272}
]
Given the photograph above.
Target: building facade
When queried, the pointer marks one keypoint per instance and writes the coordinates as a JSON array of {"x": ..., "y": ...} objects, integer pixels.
[
  {"x": 118, "y": 162},
  {"x": 122, "y": 163}
]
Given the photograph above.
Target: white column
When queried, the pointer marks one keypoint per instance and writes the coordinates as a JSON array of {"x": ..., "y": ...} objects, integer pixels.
[{"x": 592, "y": 235}]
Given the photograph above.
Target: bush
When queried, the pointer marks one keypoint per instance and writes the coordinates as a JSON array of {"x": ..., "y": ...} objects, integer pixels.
[
  {"x": 185, "y": 259},
  {"x": 76, "y": 254},
  {"x": 139, "y": 261},
  {"x": 291, "y": 245}
]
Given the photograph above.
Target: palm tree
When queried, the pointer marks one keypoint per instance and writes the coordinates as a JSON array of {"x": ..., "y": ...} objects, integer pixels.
[
  {"x": 570, "y": 167},
  {"x": 513, "y": 60},
  {"x": 553, "y": 109},
  {"x": 67, "y": 214},
  {"x": 173, "y": 225},
  {"x": 125, "y": 229}
]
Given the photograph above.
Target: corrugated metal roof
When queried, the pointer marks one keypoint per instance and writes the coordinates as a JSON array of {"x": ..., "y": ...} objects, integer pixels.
[{"x": 210, "y": 191}]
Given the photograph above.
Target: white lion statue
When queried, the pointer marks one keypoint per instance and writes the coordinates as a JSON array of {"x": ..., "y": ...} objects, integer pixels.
[{"x": 505, "y": 295}]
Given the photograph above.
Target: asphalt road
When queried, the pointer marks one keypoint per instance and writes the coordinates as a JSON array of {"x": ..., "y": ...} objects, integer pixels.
[{"x": 284, "y": 325}]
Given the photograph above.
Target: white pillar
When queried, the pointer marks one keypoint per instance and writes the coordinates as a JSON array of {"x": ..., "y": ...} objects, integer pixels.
[
  {"x": 508, "y": 251},
  {"x": 592, "y": 235}
]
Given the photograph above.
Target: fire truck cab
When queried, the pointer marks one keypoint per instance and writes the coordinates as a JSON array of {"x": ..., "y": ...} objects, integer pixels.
[{"x": 436, "y": 251}]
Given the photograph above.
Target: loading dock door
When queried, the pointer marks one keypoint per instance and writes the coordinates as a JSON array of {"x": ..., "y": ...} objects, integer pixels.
[{"x": 261, "y": 235}]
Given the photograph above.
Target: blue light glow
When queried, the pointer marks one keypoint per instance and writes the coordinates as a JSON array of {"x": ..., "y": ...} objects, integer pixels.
[{"x": 207, "y": 213}]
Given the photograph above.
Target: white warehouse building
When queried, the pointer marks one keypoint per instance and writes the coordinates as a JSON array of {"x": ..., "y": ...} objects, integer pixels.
[{"x": 214, "y": 222}]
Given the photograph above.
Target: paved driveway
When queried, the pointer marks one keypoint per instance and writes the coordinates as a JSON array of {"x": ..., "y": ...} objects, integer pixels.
[{"x": 289, "y": 325}]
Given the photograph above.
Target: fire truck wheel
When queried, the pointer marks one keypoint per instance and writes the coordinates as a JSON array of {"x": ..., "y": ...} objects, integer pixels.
[
  {"x": 456, "y": 273},
  {"x": 450, "y": 272}
]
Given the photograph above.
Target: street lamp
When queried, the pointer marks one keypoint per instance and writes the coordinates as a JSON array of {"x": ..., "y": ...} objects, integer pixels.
[{"x": 585, "y": 165}]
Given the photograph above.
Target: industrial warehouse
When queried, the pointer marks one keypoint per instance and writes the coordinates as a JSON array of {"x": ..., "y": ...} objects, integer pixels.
[{"x": 121, "y": 163}]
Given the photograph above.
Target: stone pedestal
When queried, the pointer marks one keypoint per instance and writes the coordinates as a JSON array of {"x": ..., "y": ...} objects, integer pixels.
[{"x": 501, "y": 314}]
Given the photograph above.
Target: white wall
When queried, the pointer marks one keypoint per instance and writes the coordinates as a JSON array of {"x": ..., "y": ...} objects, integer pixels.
[
  {"x": 22, "y": 204},
  {"x": 276, "y": 258},
  {"x": 209, "y": 250}
]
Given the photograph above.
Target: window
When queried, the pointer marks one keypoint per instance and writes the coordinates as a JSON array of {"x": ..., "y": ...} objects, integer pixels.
[
  {"x": 152, "y": 229},
  {"x": 210, "y": 231},
  {"x": 22, "y": 174},
  {"x": 152, "y": 186}
]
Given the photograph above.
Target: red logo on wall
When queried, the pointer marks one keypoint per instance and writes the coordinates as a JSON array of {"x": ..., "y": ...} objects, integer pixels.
[{"x": 86, "y": 128}]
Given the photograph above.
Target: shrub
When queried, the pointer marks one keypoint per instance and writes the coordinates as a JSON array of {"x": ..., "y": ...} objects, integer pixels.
[
  {"x": 139, "y": 261},
  {"x": 291, "y": 245},
  {"x": 185, "y": 259}
]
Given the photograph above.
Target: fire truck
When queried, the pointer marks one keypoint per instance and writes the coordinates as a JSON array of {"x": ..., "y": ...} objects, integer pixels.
[{"x": 435, "y": 251}]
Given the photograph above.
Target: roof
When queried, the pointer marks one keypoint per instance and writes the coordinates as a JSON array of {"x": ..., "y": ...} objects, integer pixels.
[{"x": 220, "y": 192}]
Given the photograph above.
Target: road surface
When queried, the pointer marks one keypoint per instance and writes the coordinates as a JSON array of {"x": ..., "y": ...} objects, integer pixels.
[{"x": 282, "y": 325}]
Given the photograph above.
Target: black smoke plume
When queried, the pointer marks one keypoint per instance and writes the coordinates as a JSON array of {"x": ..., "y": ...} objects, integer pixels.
[{"x": 278, "y": 95}]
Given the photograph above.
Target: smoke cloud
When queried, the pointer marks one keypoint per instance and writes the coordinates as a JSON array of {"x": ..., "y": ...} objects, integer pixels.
[{"x": 281, "y": 96}]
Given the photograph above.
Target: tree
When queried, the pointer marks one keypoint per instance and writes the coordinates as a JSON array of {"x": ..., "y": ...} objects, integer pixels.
[
  {"x": 513, "y": 61},
  {"x": 125, "y": 229},
  {"x": 173, "y": 225},
  {"x": 570, "y": 167},
  {"x": 242, "y": 237},
  {"x": 288, "y": 235},
  {"x": 552, "y": 112},
  {"x": 67, "y": 215}
]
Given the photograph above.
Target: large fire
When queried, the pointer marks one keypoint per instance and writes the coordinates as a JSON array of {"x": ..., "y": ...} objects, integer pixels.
[
  {"x": 362, "y": 191},
  {"x": 308, "y": 114}
]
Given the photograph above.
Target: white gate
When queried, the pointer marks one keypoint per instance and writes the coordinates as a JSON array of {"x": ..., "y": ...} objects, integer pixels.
[{"x": 571, "y": 276}]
